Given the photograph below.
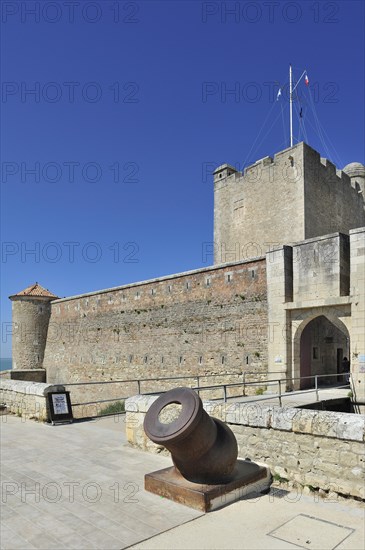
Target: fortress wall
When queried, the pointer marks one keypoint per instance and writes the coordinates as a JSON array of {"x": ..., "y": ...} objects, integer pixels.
[
  {"x": 357, "y": 285},
  {"x": 331, "y": 202},
  {"x": 209, "y": 321},
  {"x": 262, "y": 209}
]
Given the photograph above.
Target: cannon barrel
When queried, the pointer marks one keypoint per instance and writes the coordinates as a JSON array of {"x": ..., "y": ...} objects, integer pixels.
[{"x": 203, "y": 448}]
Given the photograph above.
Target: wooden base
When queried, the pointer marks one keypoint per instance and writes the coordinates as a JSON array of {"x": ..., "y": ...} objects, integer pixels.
[{"x": 248, "y": 479}]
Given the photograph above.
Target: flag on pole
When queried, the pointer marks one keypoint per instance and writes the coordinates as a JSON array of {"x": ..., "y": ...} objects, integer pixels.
[
  {"x": 306, "y": 80},
  {"x": 279, "y": 94}
]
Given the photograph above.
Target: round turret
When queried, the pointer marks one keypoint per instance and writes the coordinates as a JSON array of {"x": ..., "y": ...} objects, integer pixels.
[
  {"x": 356, "y": 172},
  {"x": 31, "y": 310}
]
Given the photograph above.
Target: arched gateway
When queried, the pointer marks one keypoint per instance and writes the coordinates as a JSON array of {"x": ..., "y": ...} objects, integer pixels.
[
  {"x": 316, "y": 312},
  {"x": 323, "y": 345}
]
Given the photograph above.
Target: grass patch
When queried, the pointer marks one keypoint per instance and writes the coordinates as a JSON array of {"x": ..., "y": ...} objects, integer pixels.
[
  {"x": 279, "y": 479},
  {"x": 113, "y": 408}
]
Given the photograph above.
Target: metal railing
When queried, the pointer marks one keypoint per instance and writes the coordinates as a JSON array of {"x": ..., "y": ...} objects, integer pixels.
[
  {"x": 280, "y": 394},
  {"x": 139, "y": 381},
  {"x": 276, "y": 383}
]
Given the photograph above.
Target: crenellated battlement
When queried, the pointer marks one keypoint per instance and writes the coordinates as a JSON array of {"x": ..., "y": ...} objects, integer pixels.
[
  {"x": 328, "y": 164},
  {"x": 231, "y": 173}
]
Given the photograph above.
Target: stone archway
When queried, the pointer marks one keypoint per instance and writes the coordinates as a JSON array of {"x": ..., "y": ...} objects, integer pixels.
[{"x": 323, "y": 343}]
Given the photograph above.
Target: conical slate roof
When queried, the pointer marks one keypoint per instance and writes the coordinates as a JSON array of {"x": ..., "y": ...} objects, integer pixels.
[{"x": 35, "y": 291}]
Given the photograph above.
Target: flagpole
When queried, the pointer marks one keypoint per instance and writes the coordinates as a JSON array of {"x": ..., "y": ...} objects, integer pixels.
[{"x": 291, "y": 103}]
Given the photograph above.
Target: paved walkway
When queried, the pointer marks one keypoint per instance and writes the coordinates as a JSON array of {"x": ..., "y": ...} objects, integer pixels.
[
  {"x": 78, "y": 486},
  {"x": 81, "y": 486},
  {"x": 284, "y": 521},
  {"x": 297, "y": 399}
]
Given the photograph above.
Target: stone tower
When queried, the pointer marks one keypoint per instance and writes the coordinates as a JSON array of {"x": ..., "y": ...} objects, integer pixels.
[
  {"x": 295, "y": 195},
  {"x": 31, "y": 310},
  {"x": 356, "y": 173}
]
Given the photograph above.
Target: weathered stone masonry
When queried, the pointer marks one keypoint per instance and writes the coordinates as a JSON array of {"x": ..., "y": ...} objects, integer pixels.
[
  {"x": 206, "y": 321},
  {"x": 27, "y": 399},
  {"x": 295, "y": 195},
  {"x": 316, "y": 449}
]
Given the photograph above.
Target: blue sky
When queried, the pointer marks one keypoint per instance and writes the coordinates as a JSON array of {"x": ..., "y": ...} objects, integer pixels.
[{"x": 132, "y": 108}]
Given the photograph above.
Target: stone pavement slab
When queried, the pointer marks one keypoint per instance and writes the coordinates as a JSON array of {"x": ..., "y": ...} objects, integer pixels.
[
  {"x": 81, "y": 486},
  {"x": 78, "y": 486},
  {"x": 279, "y": 520}
]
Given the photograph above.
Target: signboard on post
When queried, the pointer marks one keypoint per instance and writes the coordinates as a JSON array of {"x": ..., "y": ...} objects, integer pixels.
[{"x": 60, "y": 409}]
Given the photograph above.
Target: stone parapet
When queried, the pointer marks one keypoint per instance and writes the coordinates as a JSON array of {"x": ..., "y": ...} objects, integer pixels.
[
  {"x": 31, "y": 375},
  {"x": 321, "y": 450},
  {"x": 27, "y": 399},
  {"x": 135, "y": 409}
]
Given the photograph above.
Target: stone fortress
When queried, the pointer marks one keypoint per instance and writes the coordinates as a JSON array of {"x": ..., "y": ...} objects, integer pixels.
[{"x": 284, "y": 299}]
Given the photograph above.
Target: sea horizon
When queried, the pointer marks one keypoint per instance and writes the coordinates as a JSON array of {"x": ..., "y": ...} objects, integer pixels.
[{"x": 6, "y": 363}]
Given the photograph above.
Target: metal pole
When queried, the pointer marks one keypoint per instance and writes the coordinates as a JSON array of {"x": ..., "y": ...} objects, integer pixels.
[
  {"x": 225, "y": 393},
  {"x": 244, "y": 383},
  {"x": 316, "y": 387},
  {"x": 279, "y": 382},
  {"x": 291, "y": 103},
  {"x": 139, "y": 387}
]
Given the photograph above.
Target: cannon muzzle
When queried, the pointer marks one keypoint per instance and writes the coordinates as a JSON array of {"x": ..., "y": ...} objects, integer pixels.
[{"x": 203, "y": 448}]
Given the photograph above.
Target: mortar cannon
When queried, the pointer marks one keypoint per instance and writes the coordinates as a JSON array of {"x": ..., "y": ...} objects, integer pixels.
[{"x": 203, "y": 449}]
